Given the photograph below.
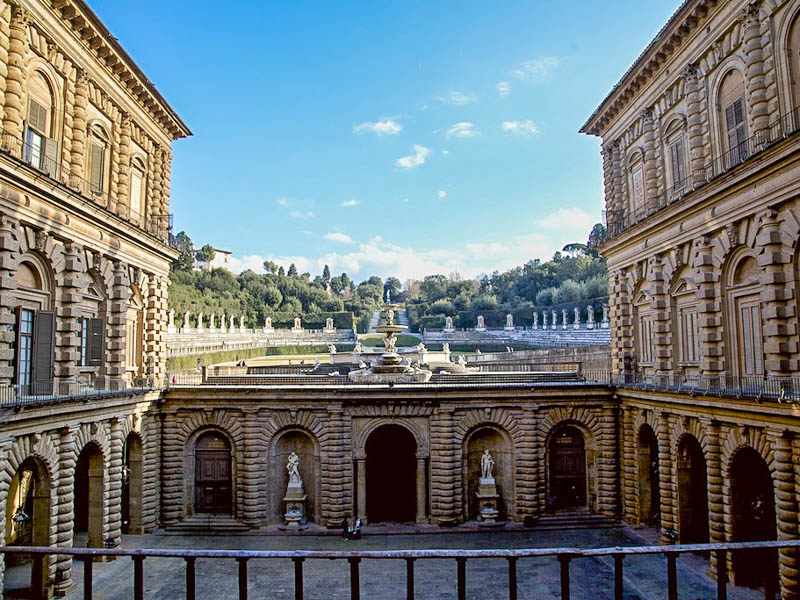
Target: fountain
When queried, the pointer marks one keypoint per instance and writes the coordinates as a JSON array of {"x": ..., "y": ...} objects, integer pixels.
[{"x": 390, "y": 367}]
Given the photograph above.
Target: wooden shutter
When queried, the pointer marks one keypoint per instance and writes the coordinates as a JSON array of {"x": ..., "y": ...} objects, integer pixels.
[
  {"x": 50, "y": 165},
  {"x": 96, "y": 342},
  {"x": 17, "y": 343},
  {"x": 44, "y": 333},
  {"x": 37, "y": 117},
  {"x": 96, "y": 175}
]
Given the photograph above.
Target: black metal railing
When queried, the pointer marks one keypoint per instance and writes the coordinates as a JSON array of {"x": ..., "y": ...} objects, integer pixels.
[
  {"x": 617, "y": 221},
  {"x": 50, "y": 392},
  {"x": 159, "y": 226},
  {"x": 562, "y": 556}
]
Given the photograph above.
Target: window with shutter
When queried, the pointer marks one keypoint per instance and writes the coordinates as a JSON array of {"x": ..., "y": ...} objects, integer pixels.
[
  {"x": 96, "y": 342},
  {"x": 24, "y": 346},
  {"x": 37, "y": 117},
  {"x": 96, "y": 173},
  {"x": 136, "y": 195},
  {"x": 677, "y": 164},
  {"x": 44, "y": 330},
  {"x": 735, "y": 127},
  {"x": 50, "y": 158}
]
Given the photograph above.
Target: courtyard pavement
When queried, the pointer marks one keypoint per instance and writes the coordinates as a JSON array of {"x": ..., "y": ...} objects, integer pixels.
[{"x": 591, "y": 578}]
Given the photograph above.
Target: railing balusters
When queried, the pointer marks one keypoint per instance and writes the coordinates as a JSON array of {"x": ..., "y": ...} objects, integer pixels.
[
  {"x": 564, "y": 560},
  {"x": 722, "y": 574},
  {"x": 242, "y": 578},
  {"x": 138, "y": 577},
  {"x": 672, "y": 577},
  {"x": 462, "y": 578},
  {"x": 190, "y": 580},
  {"x": 298, "y": 577},
  {"x": 410, "y": 579},
  {"x": 618, "y": 581},
  {"x": 87, "y": 577},
  {"x": 355, "y": 587},
  {"x": 512, "y": 579}
]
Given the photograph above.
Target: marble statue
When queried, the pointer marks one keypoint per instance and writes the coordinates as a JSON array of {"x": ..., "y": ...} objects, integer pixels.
[
  {"x": 421, "y": 347},
  {"x": 577, "y": 322},
  {"x": 186, "y": 320},
  {"x": 241, "y": 323},
  {"x": 212, "y": 323},
  {"x": 199, "y": 321},
  {"x": 481, "y": 324},
  {"x": 332, "y": 348},
  {"x": 233, "y": 320},
  {"x": 604, "y": 324},
  {"x": 446, "y": 348},
  {"x": 292, "y": 467},
  {"x": 328, "y": 324},
  {"x": 388, "y": 296},
  {"x": 535, "y": 320},
  {"x": 544, "y": 319},
  {"x": 563, "y": 318},
  {"x": 462, "y": 360},
  {"x": 297, "y": 323},
  {"x": 171, "y": 319},
  {"x": 487, "y": 463},
  {"x": 222, "y": 321},
  {"x": 487, "y": 493},
  {"x": 590, "y": 317},
  {"x": 553, "y": 324},
  {"x": 358, "y": 348},
  {"x": 448, "y": 324},
  {"x": 268, "y": 324},
  {"x": 509, "y": 320}
]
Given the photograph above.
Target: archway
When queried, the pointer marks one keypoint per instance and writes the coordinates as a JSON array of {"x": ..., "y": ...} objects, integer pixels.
[
  {"x": 649, "y": 492},
  {"x": 28, "y": 515},
  {"x": 497, "y": 442},
  {"x": 212, "y": 474},
  {"x": 567, "y": 469},
  {"x": 89, "y": 495},
  {"x": 132, "y": 485},
  {"x": 692, "y": 492},
  {"x": 307, "y": 449},
  {"x": 753, "y": 519},
  {"x": 391, "y": 474}
]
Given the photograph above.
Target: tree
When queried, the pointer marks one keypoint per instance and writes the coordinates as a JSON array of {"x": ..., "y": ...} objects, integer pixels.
[
  {"x": 270, "y": 267},
  {"x": 292, "y": 270},
  {"x": 281, "y": 272},
  {"x": 597, "y": 236},
  {"x": 206, "y": 253},
  {"x": 186, "y": 259},
  {"x": 326, "y": 274},
  {"x": 393, "y": 285}
]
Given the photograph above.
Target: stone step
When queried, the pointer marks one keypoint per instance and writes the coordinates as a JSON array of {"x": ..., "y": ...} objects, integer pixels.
[
  {"x": 575, "y": 521},
  {"x": 213, "y": 525}
]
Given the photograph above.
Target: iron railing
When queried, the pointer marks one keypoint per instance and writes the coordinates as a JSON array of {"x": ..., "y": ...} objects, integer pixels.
[
  {"x": 157, "y": 225},
  {"x": 52, "y": 392},
  {"x": 564, "y": 557},
  {"x": 617, "y": 221}
]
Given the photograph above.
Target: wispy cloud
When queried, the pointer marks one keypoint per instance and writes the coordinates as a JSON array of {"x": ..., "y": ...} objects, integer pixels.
[
  {"x": 338, "y": 236},
  {"x": 301, "y": 214},
  {"x": 296, "y": 212},
  {"x": 383, "y": 126},
  {"x": 352, "y": 202},
  {"x": 522, "y": 128},
  {"x": 285, "y": 202},
  {"x": 441, "y": 195},
  {"x": 455, "y": 98},
  {"x": 538, "y": 69},
  {"x": 464, "y": 129},
  {"x": 504, "y": 88},
  {"x": 413, "y": 160}
]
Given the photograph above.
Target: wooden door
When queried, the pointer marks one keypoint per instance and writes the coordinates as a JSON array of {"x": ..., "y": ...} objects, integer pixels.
[
  {"x": 212, "y": 474},
  {"x": 567, "y": 470}
]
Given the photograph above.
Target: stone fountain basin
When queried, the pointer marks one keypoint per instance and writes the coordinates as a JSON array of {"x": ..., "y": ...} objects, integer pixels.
[
  {"x": 390, "y": 328},
  {"x": 368, "y": 376}
]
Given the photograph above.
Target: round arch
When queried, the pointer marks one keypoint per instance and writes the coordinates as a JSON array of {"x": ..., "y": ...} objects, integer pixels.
[
  {"x": 743, "y": 339},
  {"x": 216, "y": 471},
  {"x": 89, "y": 494},
  {"x": 693, "y": 525},
  {"x": 132, "y": 482},
  {"x": 395, "y": 486},
  {"x": 413, "y": 427},
  {"x": 716, "y": 81},
  {"x": 305, "y": 444},
  {"x": 499, "y": 442},
  {"x": 649, "y": 485}
]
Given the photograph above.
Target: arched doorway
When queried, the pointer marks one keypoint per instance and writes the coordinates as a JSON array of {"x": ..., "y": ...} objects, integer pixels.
[
  {"x": 28, "y": 517},
  {"x": 649, "y": 492},
  {"x": 567, "y": 469},
  {"x": 306, "y": 448},
  {"x": 132, "y": 485},
  {"x": 498, "y": 443},
  {"x": 391, "y": 474},
  {"x": 692, "y": 492},
  {"x": 212, "y": 474},
  {"x": 89, "y": 496},
  {"x": 753, "y": 506}
]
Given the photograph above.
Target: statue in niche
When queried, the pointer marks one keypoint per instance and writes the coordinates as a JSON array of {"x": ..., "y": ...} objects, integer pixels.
[
  {"x": 487, "y": 464},
  {"x": 292, "y": 467}
]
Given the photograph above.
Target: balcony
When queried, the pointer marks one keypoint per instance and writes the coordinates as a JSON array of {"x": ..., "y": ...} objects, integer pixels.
[
  {"x": 157, "y": 226},
  {"x": 619, "y": 221},
  {"x": 21, "y": 395}
]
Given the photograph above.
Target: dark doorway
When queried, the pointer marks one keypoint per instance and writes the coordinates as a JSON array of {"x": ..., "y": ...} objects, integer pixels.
[
  {"x": 692, "y": 493},
  {"x": 567, "y": 469},
  {"x": 89, "y": 477},
  {"x": 212, "y": 483},
  {"x": 649, "y": 490},
  {"x": 132, "y": 485},
  {"x": 753, "y": 520},
  {"x": 391, "y": 475}
]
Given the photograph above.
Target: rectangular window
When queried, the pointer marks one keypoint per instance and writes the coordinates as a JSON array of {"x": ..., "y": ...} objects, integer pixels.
[
  {"x": 136, "y": 195},
  {"x": 638, "y": 192},
  {"x": 678, "y": 164},
  {"x": 84, "y": 331},
  {"x": 96, "y": 169},
  {"x": 24, "y": 346},
  {"x": 751, "y": 347},
  {"x": 92, "y": 342},
  {"x": 34, "y": 148},
  {"x": 690, "y": 347},
  {"x": 646, "y": 343},
  {"x": 735, "y": 127},
  {"x": 35, "y": 350}
]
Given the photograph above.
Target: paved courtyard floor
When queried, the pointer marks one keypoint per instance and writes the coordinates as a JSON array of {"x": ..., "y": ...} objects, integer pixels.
[{"x": 645, "y": 577}]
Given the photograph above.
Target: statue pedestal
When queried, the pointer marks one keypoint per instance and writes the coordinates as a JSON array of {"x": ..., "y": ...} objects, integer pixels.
[
  {"x": 509, "y": 328},
  {"x": 481, "y": 329},
  {"x": 487, "y": 501},
  {"x": 295, "y": 501}
]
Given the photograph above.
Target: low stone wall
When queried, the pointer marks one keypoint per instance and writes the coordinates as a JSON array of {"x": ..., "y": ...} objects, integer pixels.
[{"x": 597, "y": 357}]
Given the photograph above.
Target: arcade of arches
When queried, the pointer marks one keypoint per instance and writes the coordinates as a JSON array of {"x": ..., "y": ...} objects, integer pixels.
[{"x": 408, "y": 456}]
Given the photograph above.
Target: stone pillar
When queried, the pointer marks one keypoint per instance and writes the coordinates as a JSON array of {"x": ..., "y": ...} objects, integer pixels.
[
  {"x": 79, "y": 124},
  {"x": 254, "y": 476},
  {"x": 156, "y": 324},
  {"x": 665, "y": 478},
  {"x": 116, "y": 330},
  {"x": 151, "y": 469},
  {"x": 361, "y": 479},
  {"x": 124, "y": 167},
  {"x": 650, "y": 162},
  {"x": 526, "y": 468},
  {"x": 154, "y": 199},
  {"x": 714, "y": 482},
  {"x": 16, "y": 80},
  {"x": 779, "y": 330},
  {"x": 336, "y": 480},
  {"x": 755, "y": 84},
  {"x": 68, "y": 324},
  {"x": 712, "y": 360},
  {"x": 660, "y": 303},
  {"x": 172, "y": 475},
  {"x": 422, "y": 489},
  {"x": 5, "y": 484},
  {"x": 163, "y": 224},
  {"x": 5, "y": 32},
  {"x": 621, "y": 322},
  {"x": 620, "y": 200},
  {"x": 444, "y": 470},
  {"x": 9, "y": 254},
  {"x": 628, "y": 471},
  {"x": 786, "y": 512},
  {"x": 694, "y": 129},
  {"x": 115, "y": 484},
  {"x": 65, "y": 509},
  {"x": 607, "y": 463}
]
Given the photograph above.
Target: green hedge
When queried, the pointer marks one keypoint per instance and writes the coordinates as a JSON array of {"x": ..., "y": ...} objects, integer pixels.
[
  {"x": 181, "y": 363},
  {"x": 285, "y": 320}
]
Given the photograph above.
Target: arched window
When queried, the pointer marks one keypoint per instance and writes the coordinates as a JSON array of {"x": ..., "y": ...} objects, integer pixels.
[
  {"x": 35, "y": 327},
  {"x": 98, "y": 146},
  {"x": 138, "y": 186},
  {"x": 134, "y": 331},
  {"x": 731, "y": 110},
  {"x": 793, "y": 60},
  {"x": 675, "y": 152},
  {"x": 41, "y": 151},
  {"x": 744, "y": 317}
]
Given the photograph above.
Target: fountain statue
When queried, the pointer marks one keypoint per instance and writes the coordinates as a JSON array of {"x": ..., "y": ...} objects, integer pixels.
[
  {"x": 487, "y": 492},
  {"x": 295, "y": 498}
]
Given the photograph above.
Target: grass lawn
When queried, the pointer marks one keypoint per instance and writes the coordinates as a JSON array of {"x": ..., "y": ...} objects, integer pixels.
[
  {"x": 375, "y": 340},
  {"x": 281, "y": 359}
]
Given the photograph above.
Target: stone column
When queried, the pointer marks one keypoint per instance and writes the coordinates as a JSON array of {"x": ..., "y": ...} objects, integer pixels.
[
  {"x": 5, "y": 484},
  {"x": 621, "y": 322},
  {"x": 154, "y": 197},
  {"x": 716, "y": 500},
  {"x": 117, "y": 324},
  {"x": 694, "y": 127},
  {"x": 525, "y": 468},
  {"x": 5, "y": 32},
  {"x": 124, "y": 182},
  {"x": 628, "y": 471},
  {"x": 444, "y": 470},
  {"x": 254, "y": 477},
  {"x": 660, "y": 303},
  {"x": 156, "y": 323},
  {"x": 665, "y": 479},
  {"x": 78, "y": 157},
  {"x": 16, "y": 80},
  {"x": 755, "y": 85},
  {"x": 336, "y": 475},
  {"x": 9, "y": 254},
  {"x": 151, "y": 469},
  {"x": 422, "y": 489},
  {"x": 172, "y": 475},
  {"x": 620, "y": 200},
  {"x": 712, "y": 361},
  {"x": 113, "y": 188},
  {"x": 779, "y": 330},
  {"x": 361, "y": 479},
  {"x": 650, "y": 162},
  {"x": 115, "y": 484},
  {"x": 65, "y": 509},
  {"x": 607, "y": 463},
  {"x": 68, "y": 324},
  {"x": 786, "y": 512}
]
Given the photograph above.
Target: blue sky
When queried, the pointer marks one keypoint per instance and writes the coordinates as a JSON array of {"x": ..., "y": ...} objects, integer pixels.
[{"x": 388, "y": 138}]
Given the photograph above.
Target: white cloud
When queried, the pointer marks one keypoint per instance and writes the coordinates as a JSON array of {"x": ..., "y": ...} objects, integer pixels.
[
  {"x": 538, "y": 69},
  {"x": 445, "y": 152},
  {"x": 285, "y": 202},
  {"x": 352, "y": 202},
  {"x": 338, "y": 236},
  {"x": 301, "y": 214},
  {"x": 523, "y": 128},
  {"x": 455, "y": 98},
  {"x": 503, "y": 88},
  {"x": 572, "y": 220},
  {"x": 441, "y": 194},
  {"x": 383, "y": 126},
  {"x": 413, "y": 160},
  {"x": 464, "y": 129}
]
